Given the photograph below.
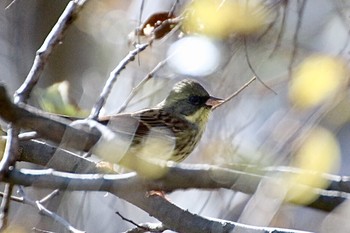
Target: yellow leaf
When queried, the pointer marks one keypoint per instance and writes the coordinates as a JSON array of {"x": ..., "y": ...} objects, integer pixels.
[
  {"x": 56, "y": 99},
  {"x": 318, "y": 78},
  {"x": 318, "y": 154},
  {"x": 222, "y": 18}
]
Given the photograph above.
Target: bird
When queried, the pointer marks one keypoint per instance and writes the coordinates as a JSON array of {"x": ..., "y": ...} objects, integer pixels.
[{"x": 168, "y": 131}]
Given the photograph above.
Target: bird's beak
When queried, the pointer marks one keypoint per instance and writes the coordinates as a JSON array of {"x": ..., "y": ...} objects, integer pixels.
[{"x": 214, "y": 102}]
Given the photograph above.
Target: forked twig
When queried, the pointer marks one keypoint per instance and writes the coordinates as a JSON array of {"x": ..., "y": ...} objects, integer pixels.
[
  {"x": 113, "y": 78},
  {"x": 236, "y": 93},
  {"x": 136, "y": 89},
  {"x": 43, "y": 210}
]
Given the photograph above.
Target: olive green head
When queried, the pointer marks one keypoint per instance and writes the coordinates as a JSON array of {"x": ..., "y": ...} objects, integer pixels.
[{"x": 187, "y": 98}]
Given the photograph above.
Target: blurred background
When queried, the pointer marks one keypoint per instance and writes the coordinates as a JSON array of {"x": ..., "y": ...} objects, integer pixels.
[{"x": 296, "y": 114}]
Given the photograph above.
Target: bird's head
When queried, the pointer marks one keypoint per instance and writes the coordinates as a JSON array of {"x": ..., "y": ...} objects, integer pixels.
[{"x": 189, "y": 99}]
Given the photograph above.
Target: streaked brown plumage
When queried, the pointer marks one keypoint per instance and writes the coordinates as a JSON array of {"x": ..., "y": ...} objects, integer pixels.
[{"x": 169, "y": 131}]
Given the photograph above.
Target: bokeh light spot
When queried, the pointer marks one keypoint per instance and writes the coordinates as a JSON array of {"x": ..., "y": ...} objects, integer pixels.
[
  {"x": 318, "y": 78},
  {"x": 195, "y": 56}
]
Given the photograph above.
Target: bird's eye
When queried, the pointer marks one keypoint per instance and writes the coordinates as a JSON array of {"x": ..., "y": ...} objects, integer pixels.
[{"x": 195, "y": 100}]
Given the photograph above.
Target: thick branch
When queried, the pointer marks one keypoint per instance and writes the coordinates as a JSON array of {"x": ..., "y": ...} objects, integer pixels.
[
  {"x": 43, "y": 154},
  {"x": 46, "y": 125},
  {"x": 181, "y": 176},
  {"x": 131, "y": 188}
]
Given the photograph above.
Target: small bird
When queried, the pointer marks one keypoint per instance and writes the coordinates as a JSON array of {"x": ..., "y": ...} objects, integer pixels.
[{"x": 167, "y": 132}]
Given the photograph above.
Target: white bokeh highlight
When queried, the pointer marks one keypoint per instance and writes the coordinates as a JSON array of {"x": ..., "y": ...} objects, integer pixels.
[{"x": 195, "y": 56}]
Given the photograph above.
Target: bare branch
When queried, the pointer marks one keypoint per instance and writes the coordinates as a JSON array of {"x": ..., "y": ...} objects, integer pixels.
[
  {"x": 136, "y": 89},
  {"x": 113, "y": 78},
  {"x": 46, "y": 212},
  {"x": 43, "y": 53},
  {"x": 49, "y": 196},
  {"x": 132, "y": 222},
  {"x": 132, "y": 189},
  {"x": 13, "y": 198},
  {"x": 203, "y": 183},
  {"x": 5, "y": 206},
  {"x": 236, "y": 92},
  {"x": 252, "y": 69},
  {"x": 282, "y": 28},
  {"x": 40, "y": 122},
  {"x": 181, "y": 176},
  {"x": 301, "y": 8},
  {"x": 44, "y": 154},
  {"x": 8, "y": 163}
]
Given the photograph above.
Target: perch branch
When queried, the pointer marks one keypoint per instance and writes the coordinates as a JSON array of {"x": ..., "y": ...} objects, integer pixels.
[
  {"x": 132, "y": 189},
  {"x": 40, "y": 122}
]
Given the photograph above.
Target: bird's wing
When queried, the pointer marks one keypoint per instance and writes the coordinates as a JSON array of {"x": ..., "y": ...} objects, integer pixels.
[
  {"x": 140, "y": 123},
  {"x": 154, "y": 129},
  {"x": 123, "y": 124}
]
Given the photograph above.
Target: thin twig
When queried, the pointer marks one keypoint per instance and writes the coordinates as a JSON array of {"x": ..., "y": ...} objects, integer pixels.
[
  {"x": 113, "y": 78},
  {"x": 52, "y": 40},
  {"x": 296, "y": 35},
  {"x": 136, "y": 89},
  {"x": 48, "y": 197},
  {"x": 5, "y": 206},
  {"x": 43, "y": 210},
  {"x": 252, "y": 69},
  {"x": 139, "y": 23},
  {"x": 13, "y": 198},
  {"x": 205, "y": 204},
  {"x": 41, "y": 231},
  {"x": 138, "y": 28},
  {"x": 173, "y": 7},
  {"x": 344, "y": 19},
  {"x": 281, "y": 31},
  {"x": 237, "y": 92},
  {"x": 130, "y": 221},
  {"x": 10, "y": 4},
  {"x": 274, "y": 21}
]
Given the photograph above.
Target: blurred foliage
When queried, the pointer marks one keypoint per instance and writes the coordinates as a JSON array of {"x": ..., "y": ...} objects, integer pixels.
[
  {"x": 319, "y": 77},
  {"x": 220, "y": 19},
  {"x": 318, "y": 154},
  {"x": 56, "y": 99},
  {"x": 15, "y": 229}
]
